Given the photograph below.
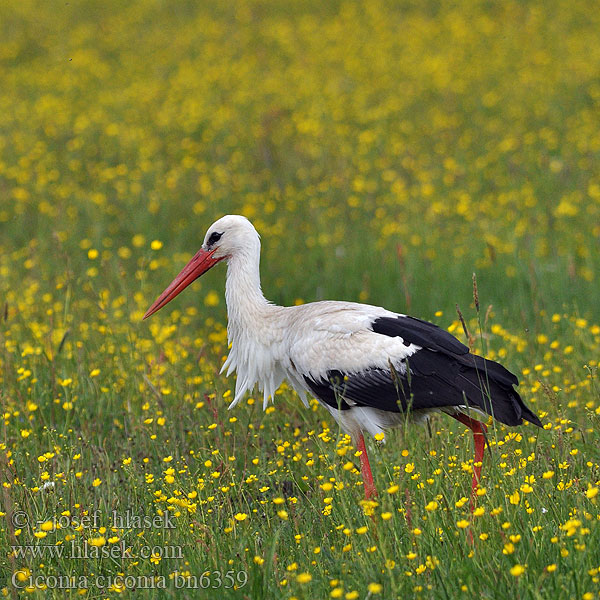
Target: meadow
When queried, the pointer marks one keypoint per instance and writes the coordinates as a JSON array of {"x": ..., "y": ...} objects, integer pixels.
[{"x": 385, "y": 151}]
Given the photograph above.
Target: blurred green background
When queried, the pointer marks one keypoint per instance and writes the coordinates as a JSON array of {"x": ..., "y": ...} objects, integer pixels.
[{"x": 385, "y": 151}]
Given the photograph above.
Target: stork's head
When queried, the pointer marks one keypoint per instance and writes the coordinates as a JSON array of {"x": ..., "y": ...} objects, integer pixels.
[{"x": 226, "y": 238}]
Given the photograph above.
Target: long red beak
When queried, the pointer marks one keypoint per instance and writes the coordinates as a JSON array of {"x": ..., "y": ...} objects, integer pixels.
[{"x": 201, "y": 263}]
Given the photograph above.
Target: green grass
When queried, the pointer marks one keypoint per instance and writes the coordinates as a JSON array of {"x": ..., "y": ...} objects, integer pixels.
[{"x": 385, "y": 154}]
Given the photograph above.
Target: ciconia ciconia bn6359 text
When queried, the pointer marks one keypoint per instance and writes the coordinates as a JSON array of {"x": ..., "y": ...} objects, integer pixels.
[{"x": 368, "y": 366}]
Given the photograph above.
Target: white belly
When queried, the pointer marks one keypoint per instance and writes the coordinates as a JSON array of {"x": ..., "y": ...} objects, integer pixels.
[{"x": 358, "y": 419}]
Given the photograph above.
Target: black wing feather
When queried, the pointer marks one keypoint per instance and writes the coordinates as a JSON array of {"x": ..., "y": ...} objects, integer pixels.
[
  {"x": 421, "y": 333},
  {"x": 442, "y": 373}
]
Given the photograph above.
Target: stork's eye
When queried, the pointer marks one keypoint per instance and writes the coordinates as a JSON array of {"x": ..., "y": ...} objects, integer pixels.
[{"x": 215, "y": 236}]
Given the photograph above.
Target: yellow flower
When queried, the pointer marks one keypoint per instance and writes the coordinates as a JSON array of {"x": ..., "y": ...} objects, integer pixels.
[
  {"x": 462, "y": 524},
  {"x": 303, "y": 577},
  {"x": 592, "y": 492},
  {"x": 431, "y": 506},
  {"x": 517, "y": 570},
  {"x": 96, "y": 482},
  {"x": 98, "y": 541},
  {"x": 375, "y": 588},
  {"x": 240, "y": 516},
  {"x": 138, "y": 240},
  {"x": 211, "y": 299},
  {"x": 23, "y": 574},
  {"x": 156, "y": 244},
  {"x": 509, "y": 548},
  {"x": 571, "y": 526}
]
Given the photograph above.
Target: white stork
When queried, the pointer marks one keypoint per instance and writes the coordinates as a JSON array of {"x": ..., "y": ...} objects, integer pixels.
[{"x": 368, "y": 366}]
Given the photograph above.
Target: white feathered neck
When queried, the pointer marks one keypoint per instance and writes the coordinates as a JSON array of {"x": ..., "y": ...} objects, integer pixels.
[{"x": 252, "y": 329}]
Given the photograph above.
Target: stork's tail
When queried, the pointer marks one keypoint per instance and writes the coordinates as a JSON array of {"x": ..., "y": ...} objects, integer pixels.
[{"x": 497, "y": 396}]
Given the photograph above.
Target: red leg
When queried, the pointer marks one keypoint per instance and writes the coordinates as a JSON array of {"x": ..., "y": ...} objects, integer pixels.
[
  {"x": 479, "y": 430},
  {"x": 365, "y": 468}
]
